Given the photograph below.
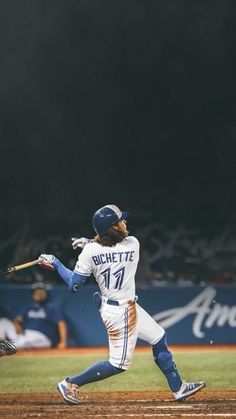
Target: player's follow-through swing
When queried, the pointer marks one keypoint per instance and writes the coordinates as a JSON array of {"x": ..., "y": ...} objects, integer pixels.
[{"x": 112, "y": 257}]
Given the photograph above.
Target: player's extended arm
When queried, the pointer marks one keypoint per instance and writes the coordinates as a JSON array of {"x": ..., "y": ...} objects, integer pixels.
[{"x": 71, "y": 278}]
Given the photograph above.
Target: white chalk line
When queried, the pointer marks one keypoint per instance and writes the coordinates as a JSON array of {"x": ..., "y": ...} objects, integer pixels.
[
  {"x": 170, "y": 400},
  {"x": 224, "y": 415},
  {"x": 153, "y": 415},
  {"x": 167, "y": 407},
  {"x": 173, "y": 407},
  {"x": 195, "y": 407}
]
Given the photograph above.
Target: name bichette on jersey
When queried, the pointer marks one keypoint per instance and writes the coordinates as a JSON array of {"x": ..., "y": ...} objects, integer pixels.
[
  {"x": 113, "y": 257},
  {"x": 114, "y": 268}
]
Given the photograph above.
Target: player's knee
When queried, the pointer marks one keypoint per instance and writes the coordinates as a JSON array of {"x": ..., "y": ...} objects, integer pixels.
[
  {"x": 121, "y": 364},
  {"x": 161, "y": 345},
  {"x": 120, "y": 370},
  {"x": 127, "y": 362},
  {"x": 116, "y": 370}
]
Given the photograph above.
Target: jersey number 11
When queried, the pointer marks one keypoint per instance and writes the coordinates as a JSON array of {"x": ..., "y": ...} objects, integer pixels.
[{"x": 119, "y": 276}]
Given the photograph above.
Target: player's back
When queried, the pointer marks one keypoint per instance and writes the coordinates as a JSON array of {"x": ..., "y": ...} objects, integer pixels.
[{"x": 113, "y": 267}]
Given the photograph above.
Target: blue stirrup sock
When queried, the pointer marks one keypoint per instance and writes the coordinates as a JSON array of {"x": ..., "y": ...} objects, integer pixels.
[
  {"x": 99, "y": 371},
  {"x": 163, "y": 358}
]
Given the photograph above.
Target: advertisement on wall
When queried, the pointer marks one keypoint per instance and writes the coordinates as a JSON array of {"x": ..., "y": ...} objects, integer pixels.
[
  {"x": 190, "y": 315},
  {"x": 194, "y": 315}
]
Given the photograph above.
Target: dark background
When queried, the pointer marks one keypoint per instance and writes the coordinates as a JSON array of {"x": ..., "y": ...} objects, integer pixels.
[{"x": 126, "y": 102}]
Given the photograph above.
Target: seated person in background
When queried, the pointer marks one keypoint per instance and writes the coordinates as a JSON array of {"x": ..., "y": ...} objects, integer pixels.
[{"x": 39, "y": 325}]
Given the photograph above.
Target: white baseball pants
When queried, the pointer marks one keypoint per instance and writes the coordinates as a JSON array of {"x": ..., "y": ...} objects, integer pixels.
[{"x": 124, "y": 324}]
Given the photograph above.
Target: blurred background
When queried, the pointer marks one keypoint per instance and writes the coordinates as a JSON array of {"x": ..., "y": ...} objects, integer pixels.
[{"x": 129, "y": 103}]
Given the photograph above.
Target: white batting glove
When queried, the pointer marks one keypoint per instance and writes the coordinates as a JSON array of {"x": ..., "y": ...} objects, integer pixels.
[
  {"x": 80, "y": 243},
  {"x": 46, "y": 261}
]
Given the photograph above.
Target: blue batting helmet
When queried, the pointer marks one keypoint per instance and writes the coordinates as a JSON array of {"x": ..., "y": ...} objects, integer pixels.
[{"x": 105, "y": 217}]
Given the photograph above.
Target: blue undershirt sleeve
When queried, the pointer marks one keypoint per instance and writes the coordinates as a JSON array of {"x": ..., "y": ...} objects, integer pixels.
[{"x": 71, "y": 278}]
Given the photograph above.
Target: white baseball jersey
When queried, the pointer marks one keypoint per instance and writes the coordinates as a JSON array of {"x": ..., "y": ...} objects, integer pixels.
[{"x": 113, "y": 267}]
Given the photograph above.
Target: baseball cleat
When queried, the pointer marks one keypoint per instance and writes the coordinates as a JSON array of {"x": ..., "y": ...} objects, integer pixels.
[
  {"x": 188, "y": 389},
  {"x": 69, "y": 392}
]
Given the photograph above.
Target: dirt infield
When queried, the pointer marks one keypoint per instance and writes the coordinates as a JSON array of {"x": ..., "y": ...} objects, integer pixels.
[{"x": 207, "y": 403}]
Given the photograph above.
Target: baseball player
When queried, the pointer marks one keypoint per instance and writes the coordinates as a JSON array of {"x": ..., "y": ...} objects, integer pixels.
[
  {"x": 112, "y": 257},
  {"x": 39, "y": 324}
]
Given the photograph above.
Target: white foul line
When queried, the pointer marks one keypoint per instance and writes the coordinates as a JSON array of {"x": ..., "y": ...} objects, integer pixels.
[
  {"x": 224, "y": 415},
  {"x": 153, "y": 415},
  {"x": 167, "y": 407},
  {"x": 171, "y": 400}
]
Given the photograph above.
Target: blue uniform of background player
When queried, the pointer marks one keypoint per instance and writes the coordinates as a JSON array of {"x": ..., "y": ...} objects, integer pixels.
[
  {"x": 39, "y": 324},
  {"x": 44, "y": 319},
  {"x": 112, "y": 257}
]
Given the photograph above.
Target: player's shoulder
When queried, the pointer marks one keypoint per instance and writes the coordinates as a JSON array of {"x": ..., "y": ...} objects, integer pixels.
[
  {"x": 50, "y": 305},
  {"x": 52, "y": 309},
  {"x": 131, "y": 240},
  {"x": 90, "y": 248},
  {"x": 92, "y": 245}
]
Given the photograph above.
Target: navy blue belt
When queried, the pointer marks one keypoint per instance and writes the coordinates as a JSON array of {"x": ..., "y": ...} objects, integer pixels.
[{"x": 113, "y": 302}]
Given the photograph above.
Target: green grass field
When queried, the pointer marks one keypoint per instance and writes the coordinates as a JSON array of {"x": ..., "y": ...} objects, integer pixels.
[{"x": 40, "y": 374}]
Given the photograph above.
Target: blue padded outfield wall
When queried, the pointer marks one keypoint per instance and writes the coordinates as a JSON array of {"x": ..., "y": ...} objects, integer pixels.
[{"x": 190, "y": 315}]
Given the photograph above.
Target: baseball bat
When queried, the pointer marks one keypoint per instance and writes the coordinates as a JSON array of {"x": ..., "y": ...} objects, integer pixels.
[{"x": 22, "y": 266}]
